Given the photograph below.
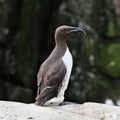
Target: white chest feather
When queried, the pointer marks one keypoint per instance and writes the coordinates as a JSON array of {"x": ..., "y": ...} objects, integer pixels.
[{"x": 68, "y": 61}]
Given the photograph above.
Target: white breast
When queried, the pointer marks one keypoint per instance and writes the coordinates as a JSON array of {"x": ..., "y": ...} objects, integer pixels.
[{"x": 68, "y": 61}]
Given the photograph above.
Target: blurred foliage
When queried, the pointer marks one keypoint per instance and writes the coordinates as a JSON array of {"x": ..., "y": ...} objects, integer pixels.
[
  {"x": 109, "y": 57},
  {"x": 27, "y": 38}
]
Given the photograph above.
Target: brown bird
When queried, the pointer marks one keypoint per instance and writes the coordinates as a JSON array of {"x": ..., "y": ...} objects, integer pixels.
[{"x": 54, "y": 73}]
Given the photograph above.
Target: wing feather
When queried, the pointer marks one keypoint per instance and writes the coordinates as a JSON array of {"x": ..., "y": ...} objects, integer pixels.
[{"x": 49, "y": 81}]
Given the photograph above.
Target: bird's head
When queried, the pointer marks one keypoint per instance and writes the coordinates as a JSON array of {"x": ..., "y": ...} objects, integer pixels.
[{"x": 63, "y": 32}]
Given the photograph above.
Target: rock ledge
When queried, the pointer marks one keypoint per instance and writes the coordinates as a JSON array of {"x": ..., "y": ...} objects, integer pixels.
[{"x": 86, "y": 111}]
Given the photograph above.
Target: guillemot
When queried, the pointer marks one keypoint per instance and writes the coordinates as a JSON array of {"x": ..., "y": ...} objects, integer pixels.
[{"x": 54, "y": 73}]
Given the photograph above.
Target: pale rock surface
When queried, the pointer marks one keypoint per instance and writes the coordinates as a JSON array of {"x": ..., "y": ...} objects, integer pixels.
[{"x": 86, "y": 111}]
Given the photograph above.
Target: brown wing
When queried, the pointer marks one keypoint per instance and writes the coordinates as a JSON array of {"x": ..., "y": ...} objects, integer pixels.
[{"x": 49, "y": 81}]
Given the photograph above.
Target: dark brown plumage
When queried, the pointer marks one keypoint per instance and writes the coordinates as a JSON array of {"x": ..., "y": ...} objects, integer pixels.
[
  {"x": 50, "y": 81},
  {"x": 53, "y": 71}
]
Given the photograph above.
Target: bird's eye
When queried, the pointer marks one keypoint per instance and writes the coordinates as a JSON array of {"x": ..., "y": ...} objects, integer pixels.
[{"x": 64, "y": 29}]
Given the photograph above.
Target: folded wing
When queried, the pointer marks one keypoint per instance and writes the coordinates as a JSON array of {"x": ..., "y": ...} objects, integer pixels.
[{"x": 49, "y": 81}]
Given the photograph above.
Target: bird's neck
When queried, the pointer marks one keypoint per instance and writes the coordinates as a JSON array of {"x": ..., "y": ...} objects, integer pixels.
[
  {"x": 61, "y": 44},
  {"x": 60, "y": 47}
]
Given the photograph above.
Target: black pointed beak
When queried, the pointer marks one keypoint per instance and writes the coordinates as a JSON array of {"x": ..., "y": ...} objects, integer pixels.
[{"x": 77, "y": 29}]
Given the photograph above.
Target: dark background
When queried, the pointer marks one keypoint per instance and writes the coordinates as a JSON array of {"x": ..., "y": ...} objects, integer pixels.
[{"x": 27, "y": 38}]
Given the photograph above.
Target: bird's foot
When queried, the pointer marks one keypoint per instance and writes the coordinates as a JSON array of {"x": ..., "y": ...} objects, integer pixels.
[{"x": 65, "y": 103}]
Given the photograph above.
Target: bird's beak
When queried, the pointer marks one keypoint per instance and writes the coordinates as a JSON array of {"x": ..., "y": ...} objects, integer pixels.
[{"x": 76, "y": 29}]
